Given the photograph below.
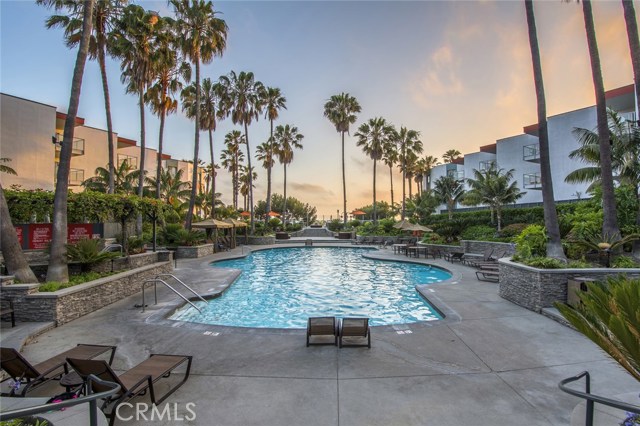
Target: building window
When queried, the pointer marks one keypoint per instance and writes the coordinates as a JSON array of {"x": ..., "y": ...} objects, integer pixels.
[
  {"x": 531, "y": 181},
  {"x": 486, "y": 165},
  {"x": 456, "y": 174},
  {"x": 531, "y": 153},
  {"x": 173, "y": 170},
  {"x": 130, "y": 159},
  {"x": 76, "y": 176},
  {"x": 78, "y": 144}
]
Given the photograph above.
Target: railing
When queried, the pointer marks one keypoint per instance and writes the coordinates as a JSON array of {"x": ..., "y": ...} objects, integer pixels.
[
  {"x": 157, "y": 280},
  {"x": 531, "y": 153},
  {"x": 77, "y": 147},
  {"x": 108, "y": 248},
  {"x": 89, "y": 398},
  {"x": 592, "y": 399}
]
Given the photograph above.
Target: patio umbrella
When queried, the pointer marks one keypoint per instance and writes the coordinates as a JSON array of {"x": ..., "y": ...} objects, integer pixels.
[
  {"x": 212, "y": 224},
  {"x": 245, "y": 214},
  {"x": 237, "y": 224},
  {"x": 273, "y": 214},
  {"x": 358, "y": 213},
  {"x": 404, "y": 225},
  {"x": 419, "y": 228}
]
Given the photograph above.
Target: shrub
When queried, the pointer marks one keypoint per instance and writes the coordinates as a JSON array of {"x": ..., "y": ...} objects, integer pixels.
[
  {"x": 532, "y": 242},
  {"x": 191, "y": 238},
  {"x": 513, "y": 230},
  {"x": 88, "y": 252},
  {"x": 624, "y": 262},
  {"x": 135, "y": 245},
  {"x": 73, "y": 281},
  {"x": 354, "y": 223},
  {"x": 479, "y": 233},
  {"x": 171, "y": 233},
  {"x": 335, "y": 225},
  {"x": 543, "y": 262}
]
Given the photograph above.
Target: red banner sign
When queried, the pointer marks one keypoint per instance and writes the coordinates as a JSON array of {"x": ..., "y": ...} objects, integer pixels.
[
  {"x": 79, "y": 232},
  {"x": 39, "y": 235}
]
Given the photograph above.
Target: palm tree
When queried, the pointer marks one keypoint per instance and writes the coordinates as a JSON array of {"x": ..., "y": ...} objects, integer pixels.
[
  {"x": 372, "y": 138},
  {"x": 105, "y": 14},
  {"x": 124, "y": 179},
  {"x": 246, "y": 180},
  {"x": 6, "y": 169},
  {"x": 341, "y": 111},
  {"x": 610, "y": 223},
  {"x": 57, "y": 270},
  {"x": 408, "y": 142},
  {"x": 448, "y": 190},
  {"x": 429, "y": 163},
  {"x": 265, "y": 153},
  {"x": 451, "y": 155},
  {"x": 286, "y": 140},
  {"x": 231, "y": 158},
  {"x": 418, "y": 172},
  {"x": 410, "y": 168},
  {"x": 494, "y": 188},
  {"x": 202, "y": 36},
  {"x": 243, "y": 99},
  {"x": 390, "y": 158},
  {"x": 634, "y": 45},
  {"x": 172, "y": 188},
  {"x": 168, "y": 74},
  {"x": 273, "y": 102},
  {"x": 554, "y": 244}
]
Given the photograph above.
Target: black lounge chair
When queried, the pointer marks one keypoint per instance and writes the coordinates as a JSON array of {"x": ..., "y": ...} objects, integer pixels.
[
  {"x": 322, "y": 326},
  {"x": 136, "y": 381},
  {"x": 454, "y": 256},
  {"x": 355, "y": 327},
  {"x": 30, "y": 376},
  {"x": 488, "y": 275}
]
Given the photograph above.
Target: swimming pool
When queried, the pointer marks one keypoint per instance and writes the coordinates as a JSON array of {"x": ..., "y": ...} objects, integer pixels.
[{"x": 281, "y": 288}]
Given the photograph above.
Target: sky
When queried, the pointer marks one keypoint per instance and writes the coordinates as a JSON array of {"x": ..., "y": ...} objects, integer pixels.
[{"x": 459, "y": 72}]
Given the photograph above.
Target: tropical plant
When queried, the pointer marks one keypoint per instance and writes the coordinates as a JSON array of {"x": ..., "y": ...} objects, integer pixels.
[
  {"x": 242, "y": 97},
  {"x": 57, "y": 270},
  {"x": 408, "y": 144},
  {"x": 273, "y": 101},
  {"x": 286, "y": 140},
  {"x": 531, "y": 242},
  {"x": 390, "y": 158},
  {"x": 246, "y": 177},
  {"x": 172, "y": 188},
  {"x": 608, "y": 316},
  {"x": 124, "y": 179},
  {"x": 341, "y": 111},
  {"x": 88, "y": 252},
  {"x": 451, "y": 155},
  {"x": 231, "y": 159},
  {"x": 448, "y": 190},
  {"x": 6, "y": 169},
  {"x": 202, "y": 36},
  {"x": 554, "y": 244},
  {"x": 428, "y": 163},
  {"x": 373, "y": 136}
]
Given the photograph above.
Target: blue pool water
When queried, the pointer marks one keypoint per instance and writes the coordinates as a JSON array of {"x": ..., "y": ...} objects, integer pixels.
[{"x": 281, "y": 288}]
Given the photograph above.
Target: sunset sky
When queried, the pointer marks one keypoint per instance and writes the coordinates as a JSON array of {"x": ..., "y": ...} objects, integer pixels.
[{"x": 458, "y": 72}]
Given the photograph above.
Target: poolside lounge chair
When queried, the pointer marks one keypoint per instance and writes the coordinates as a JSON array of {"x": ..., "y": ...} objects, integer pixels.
[
  {"x": 322, "y": 326},
  {"x": 454, "y": 256},
  {"x": 488, "y": 275},
  {"x": 135, "y": 381},
  {"x": 30, "y": 376},
  {"x": 472, "y": 259},
  {"x": 355, "y": 327}
]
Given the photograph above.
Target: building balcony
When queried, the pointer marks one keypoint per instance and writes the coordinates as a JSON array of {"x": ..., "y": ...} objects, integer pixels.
[
  {"x": 456, "y": 174},
  {"x": 76, "y": 176},
  {"x": 532, "y": 181},
  {"x": 77, "y": 147},
  {"x": 531, "y": 153},
  {"x": 486, "y": 165}
]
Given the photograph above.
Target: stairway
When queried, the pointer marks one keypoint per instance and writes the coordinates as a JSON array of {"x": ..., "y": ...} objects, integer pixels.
[{"x": 316, "y": 232}]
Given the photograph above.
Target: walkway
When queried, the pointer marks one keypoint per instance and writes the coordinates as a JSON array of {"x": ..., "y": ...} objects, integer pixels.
[{"x": 491, "y": 363}]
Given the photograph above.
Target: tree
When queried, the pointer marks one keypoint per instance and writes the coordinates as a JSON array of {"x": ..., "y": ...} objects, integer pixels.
[
  {"x": 451, "y": 155},
  {"x": 341, "y": 111},
  {"x": 57, "y": 270},
  {"x": 410, "y": 168},
  {"x": 246, "y": 177},
  {"x": 493, "y": 187},
  {"x": 105, "y": 14},
  {"x": 172, "y": 188},
  {"x": 125, "y": 178},
  {"x": 168, "y": 73},
  {"x": 429, "y": 163},
  {"x": 202, "y": 36},
  {"x": 243, "y": 99},
  {"x": 408, "y": 142},
  {"x": 390, "y": 158},
  {"x": 634, "y": 45},
  {"x": 232, "y": 158},
  {"x": 610, "y": 223},
  {"x": 554, "y": 243},
  {"x": 273, "y": 101},
  {"x": 286, "y": 140},
  {"x": 372, "y": 138},
  {"x": 448, "y": 190}
]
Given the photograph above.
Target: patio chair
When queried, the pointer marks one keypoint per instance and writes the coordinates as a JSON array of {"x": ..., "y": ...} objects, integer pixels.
[
  {"x": 355, "y": 327},
  {"x": 30, "y": 376},
  {"x": 488, "y": 275},
  {"x": 473, "y": 259},
  {"x": 322, "y": 326},
  {"x": 134, "y": 382},
  {"x": 454, "y": 256},
  {"x": 6, "y": 308}
]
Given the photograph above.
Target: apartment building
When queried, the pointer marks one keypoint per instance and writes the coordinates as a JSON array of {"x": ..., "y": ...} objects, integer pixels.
[
  {"x": 522, "y": 152},
  {"x": 31, "y": 134}
]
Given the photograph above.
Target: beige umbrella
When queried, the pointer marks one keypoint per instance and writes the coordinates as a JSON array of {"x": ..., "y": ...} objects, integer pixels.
[
  {"x": 415, "y": 227},
  {"x": 212, "y": 224},
  {"x": 404, "y": 224},
  {"x": 237, "y": 224}
]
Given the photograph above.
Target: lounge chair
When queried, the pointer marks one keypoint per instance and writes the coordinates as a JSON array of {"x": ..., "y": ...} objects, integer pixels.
[
  {"x": 135, "y": 381},
  {"x": 488, "y": 275},
  {"x": 355, "y": 327},
  {"x": 472, "y": 259},
  {"x": 6, "y": 308},
  {"x": 454, "y": 256},
  {"x": 322, "y": 326},
  {"x": 30, "y": 376}
]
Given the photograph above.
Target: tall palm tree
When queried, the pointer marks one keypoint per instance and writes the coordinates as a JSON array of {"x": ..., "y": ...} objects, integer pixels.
[
  {"x": 418, "y": 172},
  {"x": 169, "y": 71},
  {"x": 407, "y": 141},
  {"x": 105, "y": 15},
  {"x": 554, "y": 244},
  {"x": 243, "y": 99},
  {"x": 610, "y": 223},
  {"x": 231, "y": 159},
  {"x": 372, "y": 138},
  {"x": 286, "y": 140},
  {"x": 390, "y": 158},
  {"x": 341, "y": 111},
  {"x": 634, "y": 45},
  {"x": 410, "y": 168},
  {"x": 57, "y": 270},
  {"x": 265, "y": 154},
  {"x": 429, "y": 163},
  {"x": 124, "y": 179},
  {"x": 451, "y": 155},
  {"x": 273, "y": 101},
  {"x": 202, "y": 37},
  {"x": 246, "y": 180},
  {"x": 450, "y": 191},
  {"x": 172, "y": 187}
]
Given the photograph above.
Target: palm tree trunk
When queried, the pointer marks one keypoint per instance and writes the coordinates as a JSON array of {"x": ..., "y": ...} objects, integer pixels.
[
  {"x": 410, "y": 188},
  {"x": 404, "y": 178},
  {"x": 213, "y": 177},
  {"x": 284, "y": 209},
  {"x": 107, "y": 107},
  {"x": 375, "y": 212},
  {"x": 246, "y": 137},
  {"x": 10, "y": 246},
  {"x": 57, "y": 270},
  {"x": 159, "y": 162},
  {"x": 269, "y": 175},
  {"x": 344, "y": 185},
  {"x": 196, "y": 149},
  {"x": 391, "y": 180},
  {"x": 610, "y": 224},
  {"x": 554, "y": 243},
  {"x": 143, "y": 150},
  {"x": 499, "y": 218}
]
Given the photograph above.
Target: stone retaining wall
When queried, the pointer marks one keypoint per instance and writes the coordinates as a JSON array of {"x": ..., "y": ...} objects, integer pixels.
[
  {"x": 535, "y": 288},
  {"x": 184, "y": 252},
  {"x": 479, "y": 247},
  {"x": 442, "y": 247},
  {"x": 262, "y": 241},
  {"x": 68, "y": 304}
]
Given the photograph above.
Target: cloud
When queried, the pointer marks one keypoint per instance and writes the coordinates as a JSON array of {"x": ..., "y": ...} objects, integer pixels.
[
  {"x": 312, "y": 188},
  {"x": 438, "y": 78}
]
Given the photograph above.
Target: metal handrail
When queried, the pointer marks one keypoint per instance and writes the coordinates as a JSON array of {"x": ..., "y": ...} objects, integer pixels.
[
  {"x": 155, "y": 282},
  {"x": 184, "y": 285},
  {"x": 90, "y": 398},
  {"x": 109, "y": 246},
  {"x": 592, "y": 399}
]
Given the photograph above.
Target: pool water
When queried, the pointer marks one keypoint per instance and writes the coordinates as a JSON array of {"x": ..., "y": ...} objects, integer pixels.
[{"x": 281, "y": 288}]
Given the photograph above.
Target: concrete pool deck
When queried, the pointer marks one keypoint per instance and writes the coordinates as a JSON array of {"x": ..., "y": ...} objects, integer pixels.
[{"x": 490, "y": 363}]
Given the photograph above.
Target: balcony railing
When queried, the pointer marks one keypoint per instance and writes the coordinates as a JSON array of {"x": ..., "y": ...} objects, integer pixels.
[
  {"x": 456, "y": 174},
  {"x": 531, "y": 153},
  {"x": 531, "y": 181},
  {"x": 77, "y": 147},
  {"x": 76, "y": 176},
  {"x": 486, "y": 165}
]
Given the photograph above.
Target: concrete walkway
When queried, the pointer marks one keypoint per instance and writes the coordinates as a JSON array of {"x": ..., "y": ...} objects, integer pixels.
[{"x": 490, "y": 363}]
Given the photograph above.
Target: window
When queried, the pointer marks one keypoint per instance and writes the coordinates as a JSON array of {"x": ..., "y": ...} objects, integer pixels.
[
  {"x": 456, "y": 174},
  {"x": 76, "y": 176},
  {"x": 78, "y": 144},
  {"x": 486, "y": 165},
  {"x": 532, "y": 181},
  {"x": 531, "y": 153},
  {"x": 130, "y": 159}
]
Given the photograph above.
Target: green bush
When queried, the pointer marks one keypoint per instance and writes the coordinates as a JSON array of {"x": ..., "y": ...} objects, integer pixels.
[
  {"x": 478, "y": 233},
  {"x": 191, "y": 238},
  {"x": 73, "y": 281},
  {"x": 88, "y": 252},
  {"x": 513, "y": 230},
  {"x": 135, "y": 245},
  {"x": 354, "y": 223},
  {"x": 171, "y": 234},
  {"x": 335, "y": 225},
  {"x": 532, "y": 242},
  {"x": 624, "y": 262},
  {"x": 543, "y": 262}
]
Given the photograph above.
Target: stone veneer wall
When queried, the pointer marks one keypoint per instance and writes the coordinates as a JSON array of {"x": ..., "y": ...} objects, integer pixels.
[
  {"x": 185, "y": 252},
  {"x": 68, "y": 304},
  {"x": 262, "y": 241},
  {"x": 536, "y": 289},
  {"x": 442, "y": 247},
  {"x": 479, "y": 247}
]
